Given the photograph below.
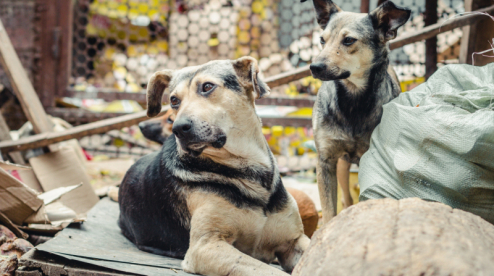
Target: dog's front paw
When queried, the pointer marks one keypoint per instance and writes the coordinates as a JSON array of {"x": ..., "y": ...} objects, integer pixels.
[{"x": 186, "y": 266}]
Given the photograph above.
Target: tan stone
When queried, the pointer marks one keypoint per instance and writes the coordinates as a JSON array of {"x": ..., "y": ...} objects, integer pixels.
[
  {"x": 307, "y": 210},
  {"x": 406, "y": 237}
]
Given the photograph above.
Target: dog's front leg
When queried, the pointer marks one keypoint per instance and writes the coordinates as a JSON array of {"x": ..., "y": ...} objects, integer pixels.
[
  {"x": 215, "y": 226},
  {"x": 213, "y": 255},
  {"x": 328, "y": 187}
]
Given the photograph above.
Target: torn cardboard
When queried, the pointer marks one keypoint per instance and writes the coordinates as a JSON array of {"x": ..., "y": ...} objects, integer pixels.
[
  {"x": 63, "y": 168},
  {"x": 17, "y": 201},
  {"x": 20, "y": 204}
]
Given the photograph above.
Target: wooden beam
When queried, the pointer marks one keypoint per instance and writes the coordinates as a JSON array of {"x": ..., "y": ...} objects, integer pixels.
[
  {"x": 435, "y": 29},
  {"x": 45, "y": 139},
  {"x": 5, "y": 136},
  {"x": 64, "y": 61},
  {"x": 364, "y": 6},
  {"x": 21, "y": 85},
  {"x": 430, "y": 18},
  {"x": 477, "y": 36}
]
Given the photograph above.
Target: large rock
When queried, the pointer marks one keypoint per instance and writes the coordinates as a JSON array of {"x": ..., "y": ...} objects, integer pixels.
[
  {"x": 406, "y": 237},
  {"x": 307, "y": 210}
]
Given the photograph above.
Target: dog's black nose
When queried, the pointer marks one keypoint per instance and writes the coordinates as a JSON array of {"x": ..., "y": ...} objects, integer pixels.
[
  {"x": 182, "y": 127},
  {"x": 317, "y": 67}
]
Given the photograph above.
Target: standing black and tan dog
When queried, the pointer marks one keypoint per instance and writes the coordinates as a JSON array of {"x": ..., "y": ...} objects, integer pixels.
[
  {"x": 357, "y": 81},
  {"x": 213, "y": 194}
]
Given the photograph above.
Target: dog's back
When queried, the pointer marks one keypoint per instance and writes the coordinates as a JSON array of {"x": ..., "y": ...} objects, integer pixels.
[{"x": 155, "y": 217}]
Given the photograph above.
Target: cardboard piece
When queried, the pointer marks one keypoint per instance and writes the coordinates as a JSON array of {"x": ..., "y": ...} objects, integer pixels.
[
  {"x": 5, "y": 221},
  {"x": 29, "y": 178},
  {"x": 62, "y": 168},
  {"x": 20, "y": 204},
  {"x": 17, "y": 201}
]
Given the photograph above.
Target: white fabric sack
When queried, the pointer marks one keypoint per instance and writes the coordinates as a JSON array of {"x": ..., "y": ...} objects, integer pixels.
[{"x": 436, "y": 142}]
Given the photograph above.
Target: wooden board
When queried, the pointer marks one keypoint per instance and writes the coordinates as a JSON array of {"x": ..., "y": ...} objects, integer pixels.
[
  {"x": 44, "y": 139},
  {"x": 98, "y": 241},
  {"x": 22, "y": 85},
  {"x": 476, "y": 37},
  {"x": 5, "y": 136}
]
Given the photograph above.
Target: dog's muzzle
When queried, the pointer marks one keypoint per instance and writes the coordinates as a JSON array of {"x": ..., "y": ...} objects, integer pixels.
[
  {"x": 195, "y": 136},
  {"x": 321, "y": 71}
]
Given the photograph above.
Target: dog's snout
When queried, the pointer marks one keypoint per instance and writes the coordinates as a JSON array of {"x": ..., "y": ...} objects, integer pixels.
[
  {"x": 317, "y": 67},
  {"x": 182, "y": 127}
]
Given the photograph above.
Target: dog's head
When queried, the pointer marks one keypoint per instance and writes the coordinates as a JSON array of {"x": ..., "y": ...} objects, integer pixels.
[
  {"x": 158, "y": 129},
  {"x": 353, "y": 42},
  {"x": 213, "y": 103}
]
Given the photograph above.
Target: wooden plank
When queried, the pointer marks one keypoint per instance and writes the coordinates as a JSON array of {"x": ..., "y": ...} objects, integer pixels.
[
  {"x": 364, "y": 6},
  {"x": 435, "y": 29},
  {"x": 39, "y": 263},
  {"x": 287, "y": 77},
  {"x": 47, "y": 44},
  {"x": 21, "y": 85},
  {"x": 430, "y": 18},
  {"x": 5, "y": 136},
  {"x": 64, "y": 61},
  {"x": 477, "y": 36},
  {"x": 44, "y": 139},
  {"x": 141, "y": 98}
]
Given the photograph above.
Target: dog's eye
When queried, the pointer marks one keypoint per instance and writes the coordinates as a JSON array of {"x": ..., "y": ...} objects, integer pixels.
[
  {"x": 207, "y": 87},
  {"x": 174, "y": 101},
  {"x": 169, "y": 120},
  {"x": 349, "y": 41},
  {"x": 322, "y": 41}
]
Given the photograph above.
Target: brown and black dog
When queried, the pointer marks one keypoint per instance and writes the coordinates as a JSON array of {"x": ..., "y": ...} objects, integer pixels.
[
  {"x": 158, "y": 129},
  {"x": 213, "y": 194},
  {"x": 357, "y": 81}
]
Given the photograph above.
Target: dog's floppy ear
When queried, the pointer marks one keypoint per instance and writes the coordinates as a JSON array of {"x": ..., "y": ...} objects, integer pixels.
[
  {"x": 324, "y": 10},
  {"x": 248, "y": 72},
  {"x": 387, "y": 18},
  {"x": 156, "y": 87}
]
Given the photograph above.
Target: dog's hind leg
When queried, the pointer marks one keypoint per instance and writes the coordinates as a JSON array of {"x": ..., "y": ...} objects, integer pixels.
[
  {"x": 328, "y": 187},
  {"x": 343, "y": 176}
]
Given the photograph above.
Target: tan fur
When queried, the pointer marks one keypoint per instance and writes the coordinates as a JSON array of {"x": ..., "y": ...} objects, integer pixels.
[{"x": 226, "y": 240}]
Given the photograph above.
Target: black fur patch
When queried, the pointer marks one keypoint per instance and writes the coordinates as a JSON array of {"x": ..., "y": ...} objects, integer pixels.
[
  {"x": 278, "y": 199},
  {"x": 230, "y": 81},
  {"x": 197, "y": 165}
]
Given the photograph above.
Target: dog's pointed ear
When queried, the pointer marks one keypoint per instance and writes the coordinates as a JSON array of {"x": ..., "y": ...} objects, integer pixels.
[
  {"x": 157, "y": 84},
  {"x": 387, "y": 18},
  {"x": 247, "y": 71},
  {"x": 324, "y": 10}
]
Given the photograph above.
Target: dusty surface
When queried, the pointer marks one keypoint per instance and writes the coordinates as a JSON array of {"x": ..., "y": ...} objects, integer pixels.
[{"x": 406, "y": 237}]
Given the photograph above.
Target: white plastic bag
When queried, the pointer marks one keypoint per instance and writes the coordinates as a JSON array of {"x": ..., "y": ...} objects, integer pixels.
[{"x": 436, "y": 142}]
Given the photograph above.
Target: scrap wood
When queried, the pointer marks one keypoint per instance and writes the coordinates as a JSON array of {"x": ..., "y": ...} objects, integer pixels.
[
  {"x": 5, "y": 221},
  {"x": 21, "y": 85},
  {"x": 5, "y": 136},
  {"x": 45, "y": 139}
]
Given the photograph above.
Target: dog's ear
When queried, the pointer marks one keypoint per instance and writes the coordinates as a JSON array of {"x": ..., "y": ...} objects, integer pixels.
[
  {"x": 324, "y": 10},
  {"x": 248, "y": 73},
  {"x": 387, "y": 18},
  {"x": 156, "y": 87}
]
